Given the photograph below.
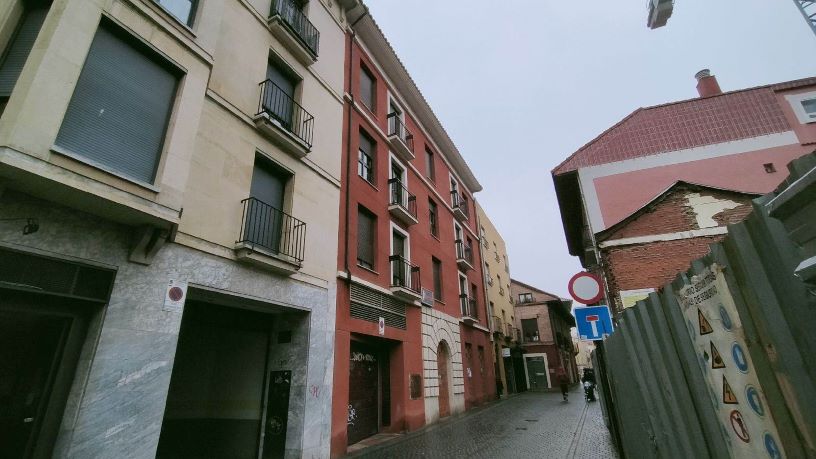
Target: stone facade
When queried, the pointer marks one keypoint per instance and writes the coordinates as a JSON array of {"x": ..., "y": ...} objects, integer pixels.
[{"x": 437, "y": 327}]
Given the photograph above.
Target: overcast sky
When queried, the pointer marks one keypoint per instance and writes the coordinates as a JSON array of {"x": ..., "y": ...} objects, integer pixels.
[{"x": 521, "y": 84}]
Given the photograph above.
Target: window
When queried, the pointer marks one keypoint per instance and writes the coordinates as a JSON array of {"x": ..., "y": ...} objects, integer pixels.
[
  {"x": 804, "y": 106},
  {"x": 430, "y": 171},
  {"x": 264, "y": 215},
  {"x": 16, "y": 53},
  {"x": 437, "y": 278},
  {"x": 183, "y": 10},
  {"x": 810, "y": 107},
  {"x": 121, "y": 105},
  {"x": 529, "y": 328},
  {"x": 525, "y": 297},
  {"x": 279, "y": 94},
  {"x": 366, "y": 237},
  {"x": 433, "y": 217},
  {"x": 365, "y": 162},
  {"x": 400, "y": 273},
  {"x": 368, "y": 89}
]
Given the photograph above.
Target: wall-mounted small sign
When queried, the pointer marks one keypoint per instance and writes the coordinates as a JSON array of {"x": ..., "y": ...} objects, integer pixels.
[
  {"x": 427, "y": 297},
  {"x": 505, "y": 352},
  {"x": 381, "y": 326},
  {"x": 175, "y": 295},
  {"x": 416, "y": 386}
]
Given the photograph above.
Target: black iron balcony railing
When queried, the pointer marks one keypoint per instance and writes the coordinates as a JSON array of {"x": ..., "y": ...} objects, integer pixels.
[
  {"x": 468, "y": 306},
  {"x": 459, "y": 202},
  {"x": 464, "y": 251},
  {"x": 400, "y": 196},
  {"x": 297, "y": 22},
  {"x": 397, "y": 127},
  {"x": 404, "y": 274},
  {"x": 275, "y": 103},
  {"x": 273, "y": 230}
]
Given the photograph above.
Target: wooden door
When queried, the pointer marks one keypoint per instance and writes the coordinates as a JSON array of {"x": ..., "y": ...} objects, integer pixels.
[{"x": 444, "y": 389}]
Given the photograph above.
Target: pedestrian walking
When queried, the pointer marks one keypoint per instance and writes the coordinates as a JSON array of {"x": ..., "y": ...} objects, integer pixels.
[{"x": 563, "y": 381}]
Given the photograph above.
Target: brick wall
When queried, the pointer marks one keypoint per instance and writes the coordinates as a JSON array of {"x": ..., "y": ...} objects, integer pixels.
[{"x": 653, "y": 264}]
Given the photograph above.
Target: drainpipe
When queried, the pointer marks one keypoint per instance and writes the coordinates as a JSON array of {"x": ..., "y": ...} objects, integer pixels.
[{"x": 348, "y": 143}]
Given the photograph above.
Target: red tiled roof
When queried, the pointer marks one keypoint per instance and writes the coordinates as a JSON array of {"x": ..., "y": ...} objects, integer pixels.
[{"x": 687, "y": 124}]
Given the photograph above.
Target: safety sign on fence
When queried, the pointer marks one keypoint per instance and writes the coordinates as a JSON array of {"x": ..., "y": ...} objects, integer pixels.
[{"x": 719, "y": 340}]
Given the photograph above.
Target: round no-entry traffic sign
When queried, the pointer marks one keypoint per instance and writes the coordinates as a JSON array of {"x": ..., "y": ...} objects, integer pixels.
[{"x": 586, "y": 288}]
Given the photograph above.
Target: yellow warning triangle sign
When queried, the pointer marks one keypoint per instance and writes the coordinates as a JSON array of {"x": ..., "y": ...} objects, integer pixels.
[
  {"x": 716, "y": 358},
  {"x": 728, "y": 394},
  {"x": 705, "y": 327}
]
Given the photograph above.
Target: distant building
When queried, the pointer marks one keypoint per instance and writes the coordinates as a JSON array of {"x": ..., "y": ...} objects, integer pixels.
[
  {"x": 545, "y": 323},
  {"x": 648, "y": 196},
  {"x": 496, "y": 267}
]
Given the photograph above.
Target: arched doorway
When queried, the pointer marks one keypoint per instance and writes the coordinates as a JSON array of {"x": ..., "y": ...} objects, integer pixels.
[{"x": 443, "y": 367}]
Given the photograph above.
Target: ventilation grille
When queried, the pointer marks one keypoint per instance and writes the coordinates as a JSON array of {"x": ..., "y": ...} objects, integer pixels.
[
  {"x": 30, "y": 272},
  {"x": 370, "y": 305}
]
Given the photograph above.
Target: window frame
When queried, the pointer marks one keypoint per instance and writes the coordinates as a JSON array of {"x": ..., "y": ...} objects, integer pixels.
[
  {"x": 433, "y": 217},
  {"x": 436, "y": 268},
  {"x": 430, "y": 166},
  {"x": 161, "y": 59},
  {"x": 373, "y": 93},
  {"x": 373, "y": 242},
  {"x": 797, "y": 101},
  {"x": 522, "y": 296},
  {"x": 371, "y": 167},
  {"x": 191, "y": 16}
]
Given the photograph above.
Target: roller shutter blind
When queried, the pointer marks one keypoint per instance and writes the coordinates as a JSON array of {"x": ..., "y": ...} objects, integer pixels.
[
  {"x": 365, "y": 237},
  {"x": 118, "y": 114},
  {"x": 19, "y": 49}
]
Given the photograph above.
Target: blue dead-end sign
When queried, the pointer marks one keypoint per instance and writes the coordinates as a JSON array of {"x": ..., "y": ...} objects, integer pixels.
[{"x": 593, "y": 322}]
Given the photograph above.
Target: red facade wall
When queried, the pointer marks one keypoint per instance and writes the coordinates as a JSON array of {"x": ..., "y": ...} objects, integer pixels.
[{"x": 405, "y": 345}]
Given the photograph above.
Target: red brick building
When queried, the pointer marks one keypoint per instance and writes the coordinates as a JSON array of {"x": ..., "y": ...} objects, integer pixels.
[
  {"x": 544, "y": 322},
  {"x": 412, "y": 342},
  {"x": 648, "y": 195}
]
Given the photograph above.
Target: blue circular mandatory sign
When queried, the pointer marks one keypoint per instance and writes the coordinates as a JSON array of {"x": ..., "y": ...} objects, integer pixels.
[
  {"x": 726, "y": 319},
  {"x": 771, "y": 447},
  {"x": 754, "y": 400},
  {"x": 740, "y": 359}
]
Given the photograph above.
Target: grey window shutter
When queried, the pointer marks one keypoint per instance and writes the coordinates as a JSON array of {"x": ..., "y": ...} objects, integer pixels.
[
  {"x": 120, "y": 108},
  {"x": 366, "y": 144},
  {"x": 19, "y": 49},
  {"x": 365, "y": 236},
  {"x": 367, "y": 88}
]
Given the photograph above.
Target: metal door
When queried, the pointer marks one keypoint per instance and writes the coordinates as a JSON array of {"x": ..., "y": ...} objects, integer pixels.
[{"x": 363, "y": 409}]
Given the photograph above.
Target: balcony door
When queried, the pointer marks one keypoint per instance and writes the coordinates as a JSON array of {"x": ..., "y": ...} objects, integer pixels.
[
  {"x": 398, "y": 194},
  {"x": 279, "y": 98},
  {"x": 265, "y": 212},
  {"x": 399, "y": 268}
]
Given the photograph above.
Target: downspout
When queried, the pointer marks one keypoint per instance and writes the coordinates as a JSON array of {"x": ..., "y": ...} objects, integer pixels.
[{"x": 348, "y": 143}]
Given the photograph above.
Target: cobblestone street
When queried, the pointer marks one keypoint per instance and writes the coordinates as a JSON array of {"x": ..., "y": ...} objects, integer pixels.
[{"x": 530, "y": 425}]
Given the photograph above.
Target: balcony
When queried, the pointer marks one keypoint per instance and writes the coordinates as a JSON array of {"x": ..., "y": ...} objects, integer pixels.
[
  {"x": 283, "y": 120},
  {"x": 498, "y": 325},
  {"x": 401, "y": 140},
  {"x": 459, "y": 204},
  {"x": 401, "y": 203},
  {"x": 270, "y": 238},
  {"x": 469, "y": 312},
  {"x": 464, "y": 256},
  {"x": 405, "y": 282},
  {"x": 291, "y": 27}
]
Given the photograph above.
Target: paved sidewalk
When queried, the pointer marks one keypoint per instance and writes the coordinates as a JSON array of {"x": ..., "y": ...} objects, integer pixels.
[{"x": 530, "y": 425}]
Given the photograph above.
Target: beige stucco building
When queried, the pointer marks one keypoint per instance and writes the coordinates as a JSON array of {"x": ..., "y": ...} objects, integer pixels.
[
  {"x": 169, "y": 186},
  {"x": 496, "y": 269}
]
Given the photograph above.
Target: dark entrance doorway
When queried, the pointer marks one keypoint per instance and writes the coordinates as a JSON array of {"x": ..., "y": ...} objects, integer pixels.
[
  {"x": 40, "y": 342},
  {"x": 442, "y": 358},
  {"x": 215, "y": 405},
  {"x": 364, "y": 394}
]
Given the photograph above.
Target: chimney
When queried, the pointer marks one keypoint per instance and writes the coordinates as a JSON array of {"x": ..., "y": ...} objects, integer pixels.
[{"x": 707, "y": 84}]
